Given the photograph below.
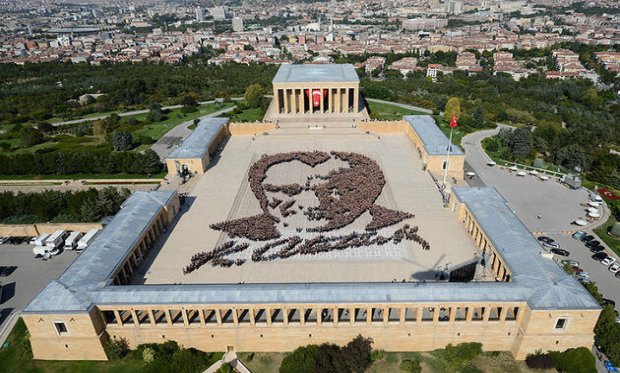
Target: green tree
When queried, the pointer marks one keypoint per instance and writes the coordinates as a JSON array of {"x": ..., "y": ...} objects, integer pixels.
[
  {"x": 155, "y": 113},
  {"x": 411, "y": 366},
  {"x": 574, "y": 360},
  {"x": 122, "y": 140},
  {"x": 477, "y": 118},
  {"x": 30, "y": 136},
  {"x": 300, "y": 361},
  {"x": 357, "y": 354},
  {"x": 574, "y": 155},
  {"x": 116, "y": 349},
  {"x": 521, "y": 142},
  {"x": 254, "y": 95},
  {"x": 453, "y": 107}
]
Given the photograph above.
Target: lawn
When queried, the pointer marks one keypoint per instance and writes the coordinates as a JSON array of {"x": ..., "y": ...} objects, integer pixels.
[
  {"x": 261, "y": 362},
  {"x": 381, "y": 111},
  {"x": 248, "y": 115},
  {"x": 173, "y": 119},
  {"x": 18, "y": 358},
  {"x": 601, "y": 232}
]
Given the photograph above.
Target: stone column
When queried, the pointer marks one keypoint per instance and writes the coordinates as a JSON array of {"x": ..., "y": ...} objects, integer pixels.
[
  {"x": 346, "y": 100},
  {"x": 134, "y": 316},
  {"x": 356, "y": 98},
  {"x": 252, "y": 318},
  {"x": 322, "y": 101},
  {"x": 286, "y": 106},
  {"x": 276, "y": 100},
  {"x": 338, "y": 101},
  {"x": 470, "y": 314},
  {"x": 294, "y": 100},
  {"x": 201, "y": 315},
  {"x": 185, "y": 317},
  {"x": 117, "y": 315},
  {"x": 487, "y": 313},
  {"x": 300, "y": 99}
]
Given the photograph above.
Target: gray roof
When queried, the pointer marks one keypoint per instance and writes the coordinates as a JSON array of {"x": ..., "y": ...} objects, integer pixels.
[
  {"x": 98, "y": 262},
  {"x": 550, "y": 285},
  {"x": 198, "y": 143},
  {"x": 309, "y": 73},
  {"x": 434, "y": 140},
  {"x": 535, "y": 279}
]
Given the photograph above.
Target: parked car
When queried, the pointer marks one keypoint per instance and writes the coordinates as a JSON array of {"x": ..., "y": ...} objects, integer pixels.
[
  {"x": 551, "y": 245},
  {"x": 599, "y": 256},
  {"x": 593, "y": 243},
  {"x": 577, "y": 269},
  {"x": 584, "y": 280},
  {"x": 570, "y": 262},
  {"x": 545, "y": 239},
  {"x": 577, "y": 235},
  {"x": 614, "y": 268},
  {"x": 583, "y": 275},
  {"x": 608, "y": 261},
  {"x": 560, "y": 252},
  {"x": 597, "y": 249},
  {"x": 4, "y": 240},
  {"x": 587, "y": 238}
]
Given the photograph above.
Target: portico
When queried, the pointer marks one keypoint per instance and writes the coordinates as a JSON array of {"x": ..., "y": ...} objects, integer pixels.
[{"x": 314, "y": 91}]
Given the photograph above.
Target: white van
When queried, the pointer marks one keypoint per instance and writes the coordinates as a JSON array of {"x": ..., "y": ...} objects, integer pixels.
[
  {"x": 56, "y": 239},
  {"x": 44, "y": 251},
  {"x": 72, "y": 241},
  {"x": 88, "y": 238},
  {"x": 40, "y": 241}
]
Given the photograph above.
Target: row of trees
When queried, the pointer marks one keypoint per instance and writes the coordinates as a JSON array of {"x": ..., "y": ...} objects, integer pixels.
[
  {"x": 61, "y": 206},
  {"x": 81, "y": 162}
]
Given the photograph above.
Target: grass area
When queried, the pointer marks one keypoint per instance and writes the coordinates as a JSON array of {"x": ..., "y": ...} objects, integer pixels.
[
  {"x": 18, "y": 358},
  {"x": 381, "y": 111},
  {"x": 173, "y": 119},
  {"x": 261, "y": 362},
  {"x": 602, "y": 233},
  {"x": 160, "y": 175},
  {"x": 248, "y": 115}
]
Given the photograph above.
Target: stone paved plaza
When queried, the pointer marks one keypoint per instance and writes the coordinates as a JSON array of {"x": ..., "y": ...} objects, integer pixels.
[{"x": 223, "y": 193}]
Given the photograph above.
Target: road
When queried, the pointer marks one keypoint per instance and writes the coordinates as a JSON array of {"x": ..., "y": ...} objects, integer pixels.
[
  {"x": 27, "y": 281},
  {"x": 133, "y": 112},
  {"x": 556, "y": 204},
  {"x": 175, "y": 136},
  {"x": 404, "y": 106}
]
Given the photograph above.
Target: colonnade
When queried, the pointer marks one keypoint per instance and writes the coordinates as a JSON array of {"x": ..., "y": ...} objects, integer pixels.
[
  {"x": 498, "y": 267},
  {"x": 299, "y": 100},
  {"x": 271, "y": 315}
]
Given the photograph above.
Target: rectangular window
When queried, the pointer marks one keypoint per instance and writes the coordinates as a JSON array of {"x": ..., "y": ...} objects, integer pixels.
[
  {"x": 560, "y": 324},
  {"x": 61, "y": 328}
]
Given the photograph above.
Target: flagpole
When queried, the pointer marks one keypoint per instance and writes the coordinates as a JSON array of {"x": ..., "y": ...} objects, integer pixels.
[{"x": 445, "y": 171}]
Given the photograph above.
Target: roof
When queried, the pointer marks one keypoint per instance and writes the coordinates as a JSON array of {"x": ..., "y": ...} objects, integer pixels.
[
  {"x": 537, "y": 280},
  {"x": 550, "y": 285},
  {"x": 434, "y": 140},
  {"x": 322, "y": 73},
  {"x": 99, "y": 261},
  {"x": 199, "y": 141}
]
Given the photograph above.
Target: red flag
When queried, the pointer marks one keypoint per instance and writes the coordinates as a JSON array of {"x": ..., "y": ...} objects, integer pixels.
[{"x": 453, "y": 123}]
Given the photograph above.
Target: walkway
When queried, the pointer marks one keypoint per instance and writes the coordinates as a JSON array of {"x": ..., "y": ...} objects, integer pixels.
[{"x": 231, "y": 358}]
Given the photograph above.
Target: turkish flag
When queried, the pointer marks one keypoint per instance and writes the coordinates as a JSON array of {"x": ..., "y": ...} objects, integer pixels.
[{"x": 453, "y": 123}]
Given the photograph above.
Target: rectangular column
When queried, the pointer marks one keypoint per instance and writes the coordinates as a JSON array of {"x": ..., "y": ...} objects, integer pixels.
[
  {"x": 276, "y": 101},
  {"x": 285, "y": 96},
  {"x": 322, "y": 101},
  {"x": 300, "y": 103},
  {"x": 338, "y": 101},
  {"x": 346, "y": 100},
  {"x": 294, "y": 100},
  {"x": 356, "y": 98}
]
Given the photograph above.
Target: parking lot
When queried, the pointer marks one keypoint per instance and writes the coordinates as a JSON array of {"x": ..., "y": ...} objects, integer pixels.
[
  {"x": 29, "y": 278},
  {"x": 607, "y": 283}
]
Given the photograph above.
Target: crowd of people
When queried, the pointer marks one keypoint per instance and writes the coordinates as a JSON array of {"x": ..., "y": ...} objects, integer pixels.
[{"x": 344, "y": 195}]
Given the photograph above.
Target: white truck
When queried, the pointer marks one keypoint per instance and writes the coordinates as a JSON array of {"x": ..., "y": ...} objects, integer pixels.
[
  {"x": 44, "y": 251},
  {"x": 56, "y": 239},
  {"x": 40, "y": 241},
  {"x": 72, "y": 241},
  {"x": 87, "y": 239}
]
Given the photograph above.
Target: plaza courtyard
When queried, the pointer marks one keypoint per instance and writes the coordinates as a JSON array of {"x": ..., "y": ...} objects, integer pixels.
[{"x": 224, "y": 194}]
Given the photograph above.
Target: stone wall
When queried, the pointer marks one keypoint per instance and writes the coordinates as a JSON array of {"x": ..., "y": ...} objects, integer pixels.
[
  {"x": 25, "y": 230},
  {"x": 250, "y": 129}
]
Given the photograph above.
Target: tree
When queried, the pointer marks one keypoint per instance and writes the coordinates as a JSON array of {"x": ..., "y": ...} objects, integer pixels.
[
  {"x": 117, "y": 349},
  {"x": 30, "y": 136},
  {"x": 329, "y": 359},
  {"x": 411, "y": 366},
  {"x": 254, "y": 95},
  {"x": 300, "y": 361},
  {"x": 122, "y": 140},
  {"x": 453, "y": 107},
  {"x": 45, "y": 127},
  {"x": 521, "y": 142},
  {"x": 357, "y": 354},
  {"x": 572, "y": 156},
  {"x": 155, "y": 114},
  {"x": 477, "y": 118},
  {"x": 574, "y": 360},
  {"x": 189, "y": 100}
]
